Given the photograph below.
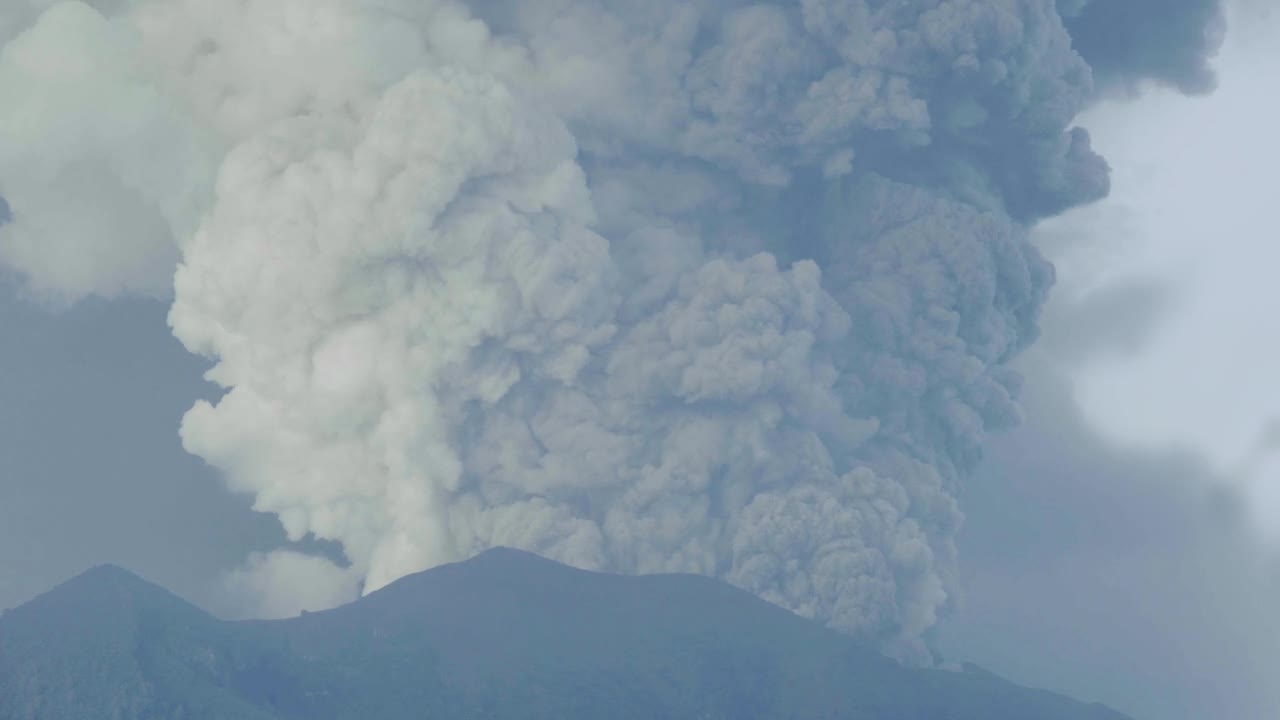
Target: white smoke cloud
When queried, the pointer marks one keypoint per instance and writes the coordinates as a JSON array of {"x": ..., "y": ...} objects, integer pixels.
[
  {"x": 284, "y": 583},
  {"x": 447, "y": 218},
  {"x": 103, "y": 167},
  {"x": 713, "y": 287}
]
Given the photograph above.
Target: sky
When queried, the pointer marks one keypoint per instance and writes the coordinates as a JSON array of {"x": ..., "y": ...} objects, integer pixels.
[
  {"x": 1121, "y": 545},
  {"x": 93, "y": 470},
  {"x": 1201, "y": 217},
  {"x": 1113, "y": 547}
]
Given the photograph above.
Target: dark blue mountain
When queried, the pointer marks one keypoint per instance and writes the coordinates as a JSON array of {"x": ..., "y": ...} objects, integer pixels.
[{"x": 505, "y": 635}]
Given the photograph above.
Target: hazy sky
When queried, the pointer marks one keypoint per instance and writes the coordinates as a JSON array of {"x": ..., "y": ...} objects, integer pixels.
[
  {"x": 1194, "y": 181},
  {"x": 1112, "y": 549},
  {"x": 89, "y": 455}
]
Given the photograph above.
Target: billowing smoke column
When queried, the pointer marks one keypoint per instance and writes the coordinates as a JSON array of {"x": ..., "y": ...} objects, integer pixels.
[
  {"x": 715, "y": 286},
  {"x": 1126, "y": 41}
]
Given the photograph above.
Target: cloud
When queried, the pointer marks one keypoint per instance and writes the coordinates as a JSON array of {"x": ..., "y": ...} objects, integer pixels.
[
  {"x": 99, "y": 170},
  {"x": 718, "y": 287},
  {"x": 1129, "y": 41},
  {"x": 284, "y": 583},
  {"x": 1125, "y": 576}
]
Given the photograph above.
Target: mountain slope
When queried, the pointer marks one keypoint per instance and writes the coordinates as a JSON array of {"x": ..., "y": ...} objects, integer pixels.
[
  {"x": 110, "y": 645},
  {"x": 505, "y": 635}
]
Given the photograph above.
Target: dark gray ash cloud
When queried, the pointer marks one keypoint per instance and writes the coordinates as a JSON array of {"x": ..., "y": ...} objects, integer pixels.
[
  {"x": 717, "y": 287},
  {"x": 1128, "y": 41}
]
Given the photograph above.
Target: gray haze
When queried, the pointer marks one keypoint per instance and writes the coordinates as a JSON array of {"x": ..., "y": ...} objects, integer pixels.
[
  {"x": 91, "y": 470},
  {"x": 1116, "y": 575},
  {"x": 717, "y": 288},
  {"x": 1168, "y": 554}
]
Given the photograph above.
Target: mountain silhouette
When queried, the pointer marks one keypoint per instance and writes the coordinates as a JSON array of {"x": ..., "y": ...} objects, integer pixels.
[{"x": 505, "y": 635}]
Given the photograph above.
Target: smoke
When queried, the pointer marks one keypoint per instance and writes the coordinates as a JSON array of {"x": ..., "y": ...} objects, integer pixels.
[
  {"x": 101, "y": 169},
  {"x": 1127, "y": 41},
  {"x": 712, "y": 287},
  {"x": 267, "y": 585}
]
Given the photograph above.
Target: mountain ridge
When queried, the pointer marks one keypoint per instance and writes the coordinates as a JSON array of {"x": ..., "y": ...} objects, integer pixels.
[{"x": 507, "y": 634}]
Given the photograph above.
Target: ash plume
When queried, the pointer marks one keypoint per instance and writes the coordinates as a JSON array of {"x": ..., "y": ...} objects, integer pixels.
[
  {"x": 1128, "y": 41},
  {"x": 715, "y": 287}
]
